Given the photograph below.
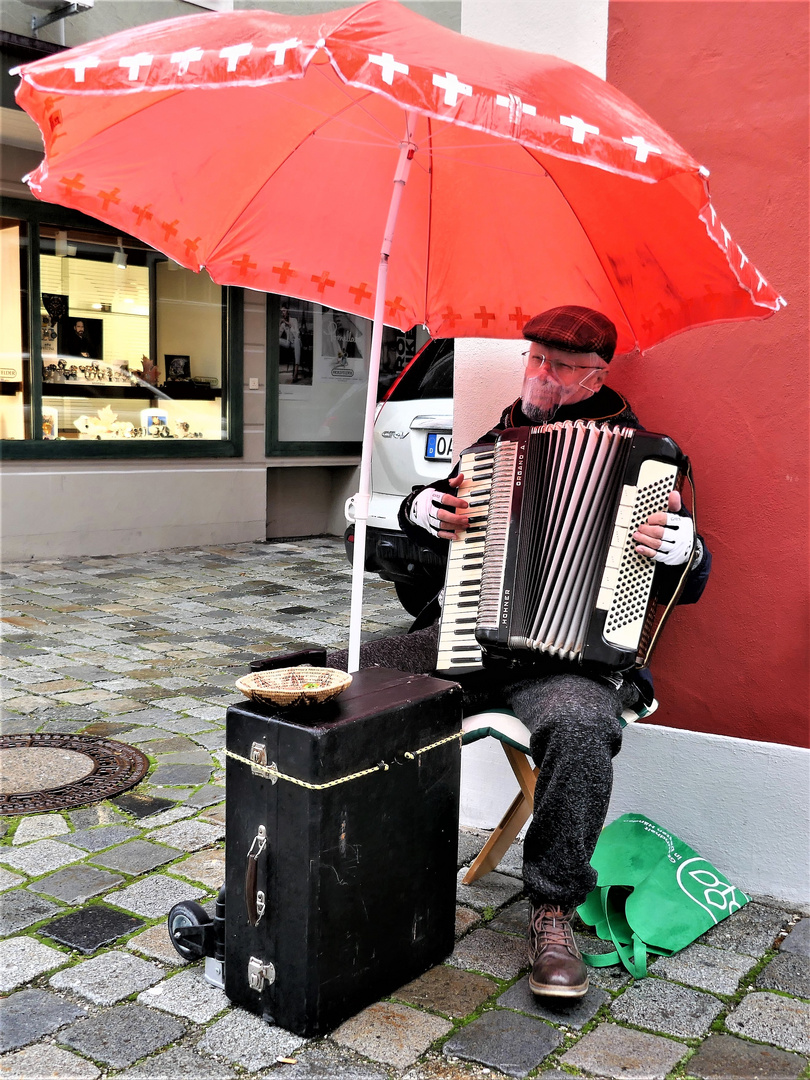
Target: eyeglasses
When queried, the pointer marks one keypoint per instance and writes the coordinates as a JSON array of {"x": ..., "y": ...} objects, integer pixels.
[{"x": 556, "y": 367}]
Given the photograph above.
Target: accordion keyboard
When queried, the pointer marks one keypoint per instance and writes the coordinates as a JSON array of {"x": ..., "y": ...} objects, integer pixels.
[{"x": 458, "y": 650}]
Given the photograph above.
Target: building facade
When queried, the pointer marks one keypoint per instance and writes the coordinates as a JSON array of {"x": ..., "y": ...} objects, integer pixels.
[{"x": 724, "y": 763}]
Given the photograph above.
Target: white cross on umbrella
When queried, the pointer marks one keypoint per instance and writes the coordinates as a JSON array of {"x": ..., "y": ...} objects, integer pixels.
[{"x": 389, "y": 66}]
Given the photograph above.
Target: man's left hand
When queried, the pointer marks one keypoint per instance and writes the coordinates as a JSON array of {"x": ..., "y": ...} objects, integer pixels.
[{"x": 667, "y": 537}]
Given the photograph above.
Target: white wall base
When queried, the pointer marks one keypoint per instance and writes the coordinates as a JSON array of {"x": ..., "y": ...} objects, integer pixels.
[
  {"x": 745, "y": 806},
  {"x": 56, "y": 512}
]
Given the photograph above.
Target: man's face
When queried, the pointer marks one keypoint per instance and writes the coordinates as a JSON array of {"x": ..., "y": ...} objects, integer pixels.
[
  {"x": 79, "y": 328},
  {"x": 554, "y": 377}
]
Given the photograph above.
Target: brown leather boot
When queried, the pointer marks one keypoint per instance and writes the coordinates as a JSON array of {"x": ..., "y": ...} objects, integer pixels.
[{"x": 558, "y": 969}]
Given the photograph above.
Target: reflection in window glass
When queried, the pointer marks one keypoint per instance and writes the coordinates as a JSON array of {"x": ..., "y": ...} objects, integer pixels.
[
  {"x": 112, "y": 366},
  {"x": 14, "y": 375},
  {"x": 323, "y": 371}
]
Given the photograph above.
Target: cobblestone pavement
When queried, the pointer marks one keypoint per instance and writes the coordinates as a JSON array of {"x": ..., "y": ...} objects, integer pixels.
[{"x": 145, "y": 649}]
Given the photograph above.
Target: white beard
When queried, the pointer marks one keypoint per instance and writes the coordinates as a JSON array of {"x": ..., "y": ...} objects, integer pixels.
[{"x": 540, "y": 398}]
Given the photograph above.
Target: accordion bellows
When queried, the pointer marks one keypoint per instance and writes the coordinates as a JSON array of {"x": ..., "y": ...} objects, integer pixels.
[{"x": 548, "y": 563}]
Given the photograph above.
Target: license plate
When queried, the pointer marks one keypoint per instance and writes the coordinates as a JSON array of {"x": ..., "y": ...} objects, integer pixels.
[{"x": 439, "y": 446}]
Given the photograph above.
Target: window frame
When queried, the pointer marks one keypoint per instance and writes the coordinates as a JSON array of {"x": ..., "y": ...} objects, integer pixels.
[{"x": 36, "y": 448}]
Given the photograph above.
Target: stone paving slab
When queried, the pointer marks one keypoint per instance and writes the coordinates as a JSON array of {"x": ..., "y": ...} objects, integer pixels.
[
  {"x": 752, "y": 930},
  {"x": 101, "y": 838},
  {"x": 9, "y": 880},
  {"x": 491, "y": 891},
  {"x": 207, "y": 867},
  {"x": 798, "y": 940},
  {"x": 76, "y": 884},
  {"x": 188, "y": 995},
  {"x": 240, "y": 1038},
  {"x": 722, "y": 1057},
  {"x": 771, "y": 1018},
  {"x": 466, "y": 919},
  {"x": 44, "y": 1060},
  {"x": 390, "y": 1033},
  {"x": 137, "y": 857},
  {"x": 21, "y": 908},
  {"x": 100, "y": 814},
  {"x": 668, "y": 1008},
  {"x": 178, "y": 1064},
  {"x": 122, "y": 1035},
  {"x": 447, "y": 990},
  {"x": 23, "y": 959},
  {"x": 107, "y": 979},
  {"x": 572, "y": 1012},
  {"x": 156, "y": 943},
  {"x": 154, "y": 896},
  {"x": 40, "y": 857},
  {"x": 505, "y": 1040},
  {"x": 326, "y": 1061},
  {"x": 437, "y": 1067},
  {"x": 513, "y": 919},
  {"x": 39, "y": 827},
  {"x": 87, "y": 930},
  {"x": 789, "y": 972},
  {"x": 501, "y": 955},
  {"x": 710, "y": 969},
  {"x": 613, "y": 1051},
  {"x": 188, "y": 835},
  {"x": 29, "y": 1014}
]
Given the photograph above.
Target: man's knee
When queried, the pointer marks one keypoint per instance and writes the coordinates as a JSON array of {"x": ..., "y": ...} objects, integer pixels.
[{"x": 569, "y": 710}]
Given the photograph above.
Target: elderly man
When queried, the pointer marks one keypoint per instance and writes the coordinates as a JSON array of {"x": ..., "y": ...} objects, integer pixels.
[{"x": 573, "y": 717}]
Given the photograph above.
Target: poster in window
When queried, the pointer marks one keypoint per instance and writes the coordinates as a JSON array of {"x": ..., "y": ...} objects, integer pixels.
[
  {"x": 80, "y": 338},
  {"x": 295, "y": 343},
  {"x": 343, "y": 346}
]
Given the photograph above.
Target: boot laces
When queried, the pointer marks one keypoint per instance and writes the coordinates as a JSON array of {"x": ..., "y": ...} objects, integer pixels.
[{"x": 552, "y": 926}]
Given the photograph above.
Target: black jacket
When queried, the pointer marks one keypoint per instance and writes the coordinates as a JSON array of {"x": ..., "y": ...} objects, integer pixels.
[{"x": 607, "y": 406}]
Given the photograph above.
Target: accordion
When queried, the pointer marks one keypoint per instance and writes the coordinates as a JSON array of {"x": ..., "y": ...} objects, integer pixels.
[{"x": 547, "y": 564}]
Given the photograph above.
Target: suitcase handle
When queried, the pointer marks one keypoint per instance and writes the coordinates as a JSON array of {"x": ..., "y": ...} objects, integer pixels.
[{"x": 254, "y": 898}]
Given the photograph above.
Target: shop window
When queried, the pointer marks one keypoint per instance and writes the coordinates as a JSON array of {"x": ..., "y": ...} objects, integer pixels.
[
  {"x": 317, "y": 374},
  {"x": 129, "y": 353}
]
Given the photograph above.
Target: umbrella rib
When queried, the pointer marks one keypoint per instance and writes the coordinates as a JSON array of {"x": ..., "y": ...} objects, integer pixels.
[
  {"x": 309, "y": 135},
  {"x": 598, "y": 257}
]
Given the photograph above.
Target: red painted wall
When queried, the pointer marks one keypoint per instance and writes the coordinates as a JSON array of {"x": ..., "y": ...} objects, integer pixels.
[{"x": 729, "y": 80}]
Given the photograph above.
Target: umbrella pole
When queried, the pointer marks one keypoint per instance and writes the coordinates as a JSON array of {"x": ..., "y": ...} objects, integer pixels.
[{"x": 361, "y": 499}]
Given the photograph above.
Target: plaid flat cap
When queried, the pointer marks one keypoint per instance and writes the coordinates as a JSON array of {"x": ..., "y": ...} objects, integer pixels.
[{"x": 577, "y": 329}]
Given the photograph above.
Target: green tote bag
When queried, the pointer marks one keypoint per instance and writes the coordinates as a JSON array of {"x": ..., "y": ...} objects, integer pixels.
[{"x": 654, "y": 894}]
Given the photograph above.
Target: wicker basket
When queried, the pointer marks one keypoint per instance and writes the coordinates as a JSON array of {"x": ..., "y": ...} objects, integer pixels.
[{"x": 294, "y": 685}]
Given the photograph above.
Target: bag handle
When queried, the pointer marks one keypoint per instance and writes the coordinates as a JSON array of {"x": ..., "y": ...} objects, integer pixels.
[{"x": 635, "y": 959}]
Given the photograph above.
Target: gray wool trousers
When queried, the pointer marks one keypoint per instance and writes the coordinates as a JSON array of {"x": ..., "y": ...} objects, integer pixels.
[{"x": 576, "y": 732}]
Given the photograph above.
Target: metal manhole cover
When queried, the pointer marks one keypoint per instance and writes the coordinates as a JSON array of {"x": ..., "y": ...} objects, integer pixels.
[{"x": 55, "y": 772}]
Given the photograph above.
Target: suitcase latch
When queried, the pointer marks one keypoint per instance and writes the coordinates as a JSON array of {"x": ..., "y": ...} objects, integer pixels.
[
  {"x": 258, "y": 755},
  {"x": 259, "y": 973}
]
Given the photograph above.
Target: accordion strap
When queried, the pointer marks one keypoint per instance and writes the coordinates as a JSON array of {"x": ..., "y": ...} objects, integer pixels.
[{"x": 687, "y": 567}]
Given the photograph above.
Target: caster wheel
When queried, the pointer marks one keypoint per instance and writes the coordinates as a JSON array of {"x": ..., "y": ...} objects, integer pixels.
[{"x": 190, "y": 927}]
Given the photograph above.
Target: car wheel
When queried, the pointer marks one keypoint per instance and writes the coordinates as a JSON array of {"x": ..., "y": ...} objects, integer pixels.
[{"x": 414, "y": 595}]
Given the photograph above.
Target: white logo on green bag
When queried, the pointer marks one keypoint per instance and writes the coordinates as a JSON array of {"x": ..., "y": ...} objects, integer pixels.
[{"x": 716, "y": 892}]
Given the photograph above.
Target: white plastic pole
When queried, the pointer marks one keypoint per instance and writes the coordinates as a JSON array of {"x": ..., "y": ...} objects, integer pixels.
[{"x": 361, "y": 499}]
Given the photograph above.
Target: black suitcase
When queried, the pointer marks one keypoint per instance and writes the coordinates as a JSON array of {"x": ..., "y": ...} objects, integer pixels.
[{"x": 338, "y": 894}]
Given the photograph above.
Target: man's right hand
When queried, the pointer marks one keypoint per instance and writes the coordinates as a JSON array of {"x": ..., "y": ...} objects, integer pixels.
[{"x": 440, "y": 513}]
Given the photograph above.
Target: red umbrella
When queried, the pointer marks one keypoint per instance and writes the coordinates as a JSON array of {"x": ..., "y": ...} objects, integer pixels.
[{"x": 277, "y": 151}]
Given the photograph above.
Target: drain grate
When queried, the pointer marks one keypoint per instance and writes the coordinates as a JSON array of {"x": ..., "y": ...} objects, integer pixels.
[{"x": 56, "y": 772}]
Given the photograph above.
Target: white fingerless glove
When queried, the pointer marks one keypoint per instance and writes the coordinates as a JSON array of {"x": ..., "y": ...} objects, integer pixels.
[
  {"x": 677, "y": 541},
  {"x": 424, "y": 510}
]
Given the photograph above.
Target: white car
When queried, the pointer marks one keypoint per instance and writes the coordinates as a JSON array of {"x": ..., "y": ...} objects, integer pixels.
[{"x": 413, "y": 444}]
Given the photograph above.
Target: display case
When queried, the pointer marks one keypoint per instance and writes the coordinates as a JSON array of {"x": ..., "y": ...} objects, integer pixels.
[{"x": 100, "y": 329}]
